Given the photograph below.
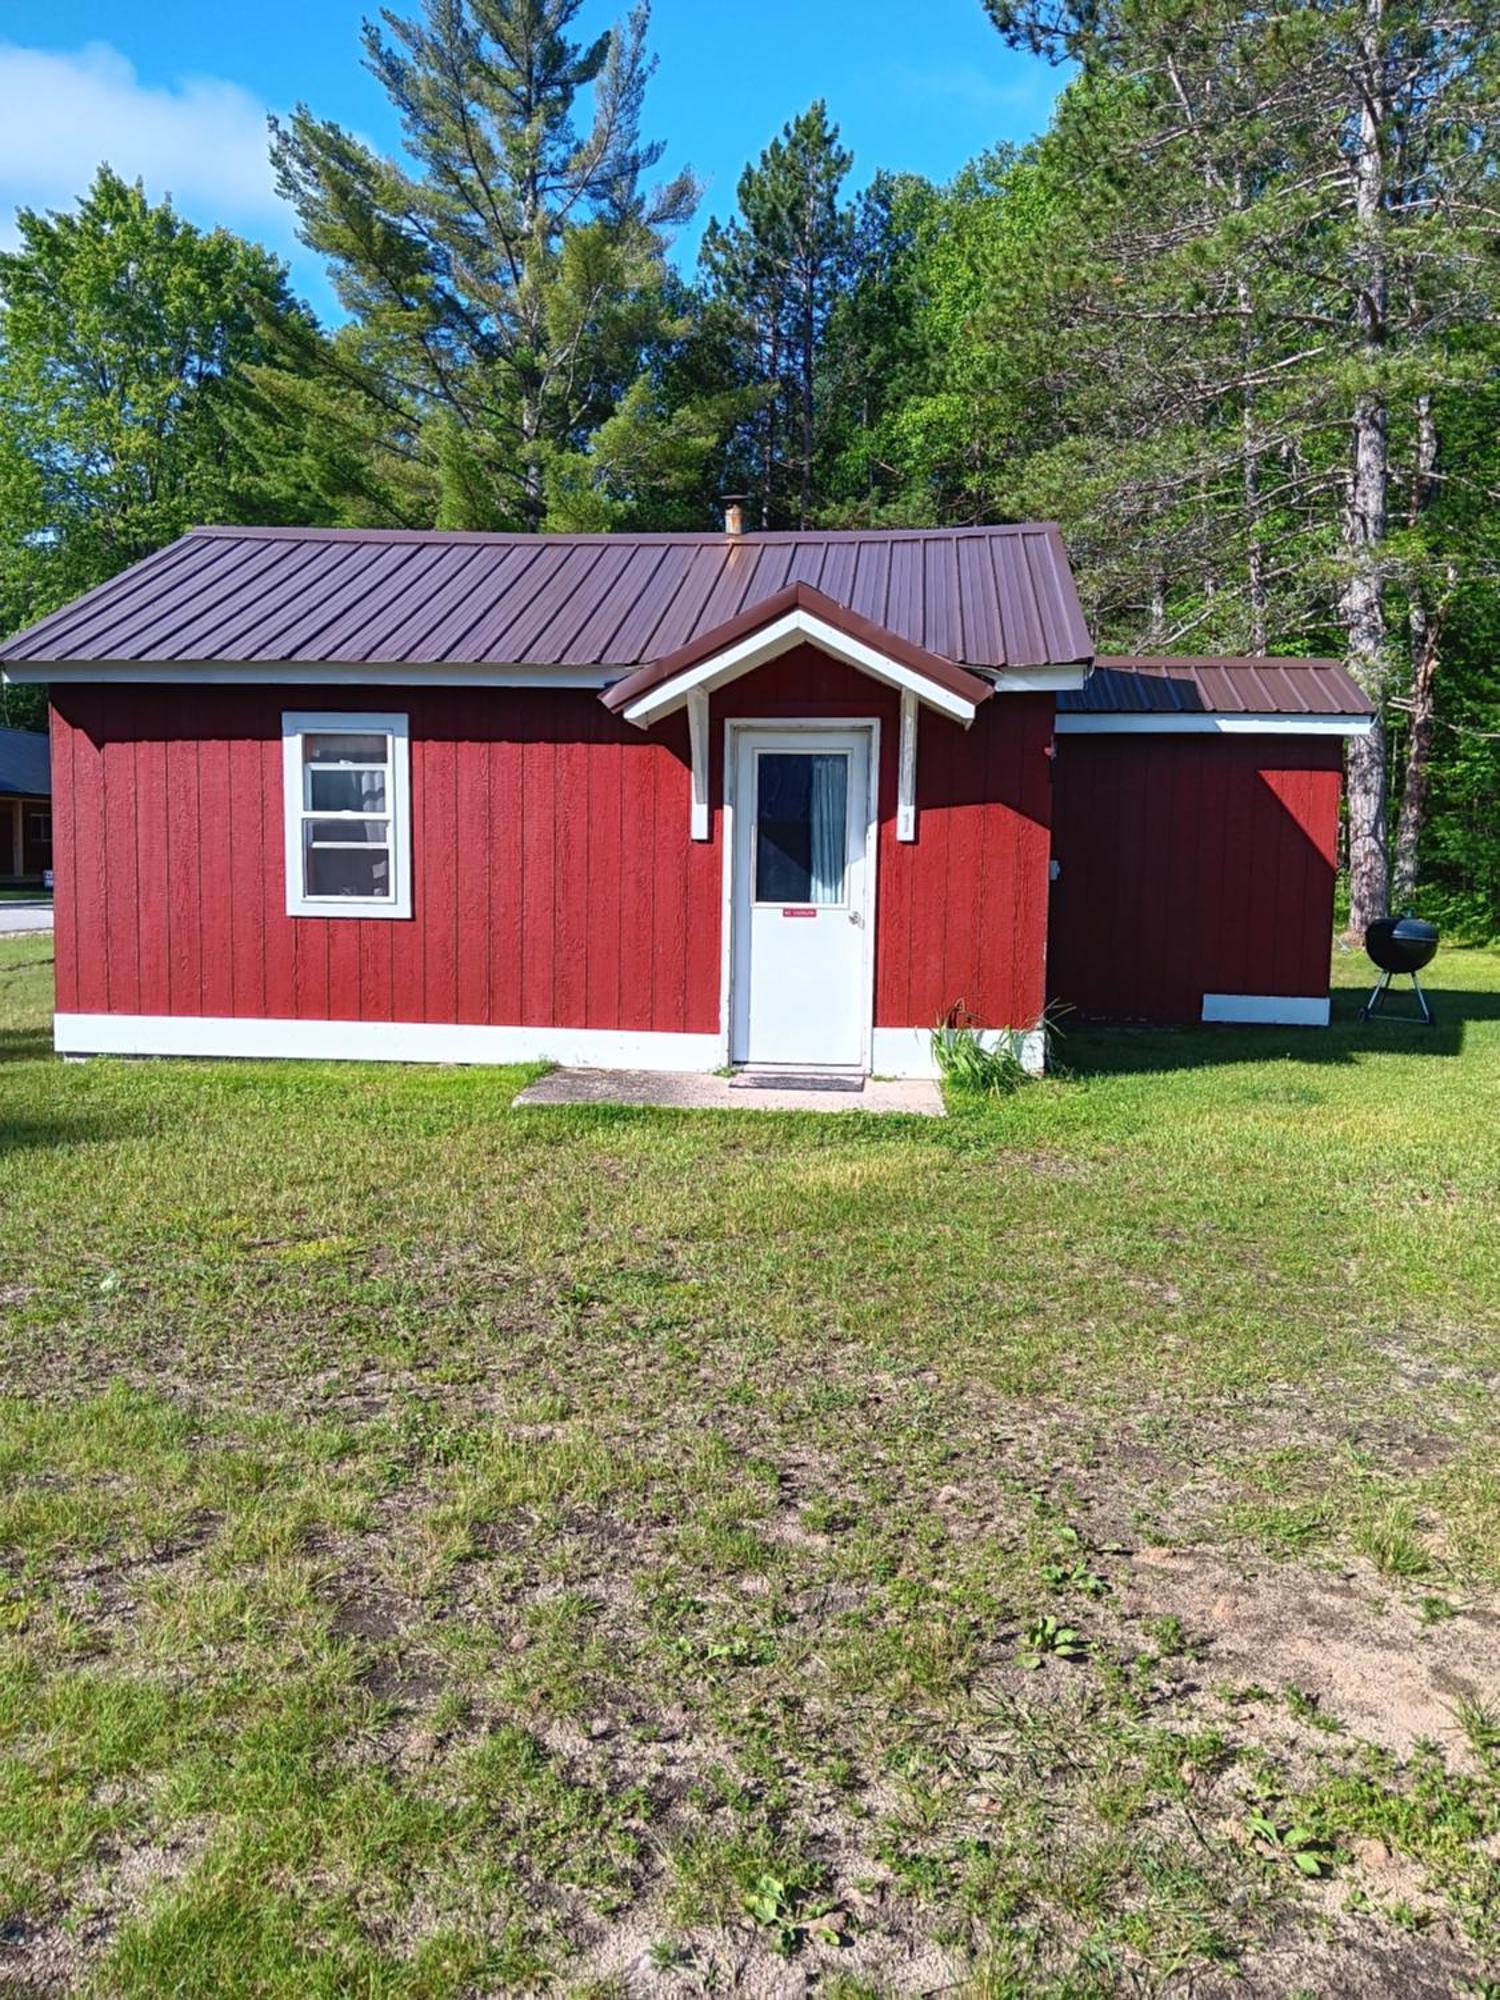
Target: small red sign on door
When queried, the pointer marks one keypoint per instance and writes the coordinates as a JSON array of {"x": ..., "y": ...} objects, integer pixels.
[{"x": 799, "y": 912}]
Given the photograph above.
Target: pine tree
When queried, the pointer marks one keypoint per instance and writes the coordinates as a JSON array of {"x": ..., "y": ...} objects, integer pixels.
[
  {"x": 781, "y": 265},
  {"x": 1281, "y": 217},
  {"x": 505, "y": 276}
]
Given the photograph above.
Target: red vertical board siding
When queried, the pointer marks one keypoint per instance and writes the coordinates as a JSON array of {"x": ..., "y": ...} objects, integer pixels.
[
  {"x": 245, "y": 804},
  {"x": 152, "y": 958},
  {"x": 216, "y": 876},
  {"x": 1191, "y": 865},
  {"x": 435, "y": 835},
  {"x": 90, "y": 898},
  {"x": 603, "y": 834},
  {"x": 554, "y": 878},
  {"x": 572, "y": 905},
  {"x": 638, "y": 889},
  {"x": 118, "y": 798},
  {"x": 471, "y": 882},
  {"x": 539, "y": 875},
  {"x": 674, "y": 800},
  {"x": 64, "y": 867},
  {"x": 280, "y": 937},
  {"x": 506, "y": 881}
]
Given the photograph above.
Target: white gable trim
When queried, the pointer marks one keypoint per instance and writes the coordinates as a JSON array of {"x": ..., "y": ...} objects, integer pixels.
[
  {"x": 697, "y": 708},
  {"x": 906, "y": 770},
  {"x": 1170, "y": 723},
  {"x": 769, "y": 643}
]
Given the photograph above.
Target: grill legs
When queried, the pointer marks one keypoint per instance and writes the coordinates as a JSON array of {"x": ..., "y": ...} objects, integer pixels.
[{"x": 1382, "y": 987}]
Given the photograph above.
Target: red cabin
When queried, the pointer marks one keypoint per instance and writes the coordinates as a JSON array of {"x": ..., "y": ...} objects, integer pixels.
[{"x": 662, "y": 801}]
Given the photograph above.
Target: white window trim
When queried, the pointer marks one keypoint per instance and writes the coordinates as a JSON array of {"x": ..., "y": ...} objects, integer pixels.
[{"x": 297, "y": 723}]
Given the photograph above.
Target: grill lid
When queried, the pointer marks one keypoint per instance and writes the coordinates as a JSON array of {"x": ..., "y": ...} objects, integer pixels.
[{"x": 1401, "y": 944}]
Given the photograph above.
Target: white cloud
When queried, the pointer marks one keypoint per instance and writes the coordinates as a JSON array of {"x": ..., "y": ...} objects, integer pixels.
[{"x": 203, "y": 140}]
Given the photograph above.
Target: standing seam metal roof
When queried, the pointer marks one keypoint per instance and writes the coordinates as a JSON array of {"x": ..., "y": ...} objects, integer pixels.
[
  {"x": 990, "y": 597},
  {"x": 1176, "y": 684}
]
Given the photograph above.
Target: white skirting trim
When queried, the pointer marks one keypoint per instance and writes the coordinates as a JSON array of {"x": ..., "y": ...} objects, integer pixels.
[
  {"x": 908, "y": 1051},
  {"x": 1267, "y": 1009},
  {"x": 379, "y": 1041}
]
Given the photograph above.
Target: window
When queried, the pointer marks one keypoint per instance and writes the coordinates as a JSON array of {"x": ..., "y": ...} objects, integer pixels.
[
  {"x": 801, "y": 840},
  {"x": 39, "y": 827},
  {"x": 348, "y": 815}
]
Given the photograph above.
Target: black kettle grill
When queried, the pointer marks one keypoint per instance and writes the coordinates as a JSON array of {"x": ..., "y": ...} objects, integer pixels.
[{"x": 1399, "y": 944}]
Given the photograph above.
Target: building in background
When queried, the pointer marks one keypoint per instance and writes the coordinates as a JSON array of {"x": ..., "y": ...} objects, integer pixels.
[{"x": 25, "y": 807}]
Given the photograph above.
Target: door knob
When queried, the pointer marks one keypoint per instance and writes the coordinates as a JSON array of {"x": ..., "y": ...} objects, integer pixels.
[{"x": 856, "y": 917}]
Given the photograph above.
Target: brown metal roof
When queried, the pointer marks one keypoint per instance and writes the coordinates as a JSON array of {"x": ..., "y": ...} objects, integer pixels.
[
  {"x": 978, "y": 597},
  {"x": 1175, "y": 684},
  {"x": 798, "y": 597}
]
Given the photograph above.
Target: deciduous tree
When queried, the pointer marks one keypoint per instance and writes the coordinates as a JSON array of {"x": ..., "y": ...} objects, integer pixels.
[{"x": 122, "y": 328}]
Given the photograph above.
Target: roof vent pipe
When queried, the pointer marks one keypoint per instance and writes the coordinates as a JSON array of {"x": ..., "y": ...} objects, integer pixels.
[{"x": 734, "y": 513}]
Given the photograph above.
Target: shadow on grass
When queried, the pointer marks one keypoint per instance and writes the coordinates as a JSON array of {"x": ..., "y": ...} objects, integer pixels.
[
  {"x": 34, "y": 1135},
  {"x": 25, "y": 1044},
  {"x": 1101, "y": 1051}
]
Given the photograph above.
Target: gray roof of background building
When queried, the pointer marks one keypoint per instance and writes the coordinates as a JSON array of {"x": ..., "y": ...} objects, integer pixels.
[{"x": 25, "y": 763}]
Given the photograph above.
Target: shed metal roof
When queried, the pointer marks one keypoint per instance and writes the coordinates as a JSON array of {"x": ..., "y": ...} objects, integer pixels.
[
  {"x": 1178, "y": 684},
  {"x": 25, "y": 763},
  {"x": 991, "y": 598}
]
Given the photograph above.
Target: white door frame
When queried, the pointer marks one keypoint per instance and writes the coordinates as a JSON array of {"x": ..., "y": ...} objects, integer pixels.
[{"x": 772, "y": 725}]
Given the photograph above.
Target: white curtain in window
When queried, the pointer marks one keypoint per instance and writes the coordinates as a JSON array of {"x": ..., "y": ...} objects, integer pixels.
[{"x": 830, "y": 776}]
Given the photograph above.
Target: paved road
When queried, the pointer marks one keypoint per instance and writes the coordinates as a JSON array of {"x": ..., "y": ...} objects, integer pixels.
[{"x": 17, "y": 918}]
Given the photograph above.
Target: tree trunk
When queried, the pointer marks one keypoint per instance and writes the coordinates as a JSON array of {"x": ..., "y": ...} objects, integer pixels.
[
  {"x": 1255, "y": 557},
  {"x": 1365, "y": 517},
  {"x": 773, "y": 375},
  {"x": 533, "y": 491},
  {"x": 1426, "y": 628},
  {"x": 809, "y": 360},
  {"x": 1156, "y": 610},
  {"x": 1426, "y": 642}
]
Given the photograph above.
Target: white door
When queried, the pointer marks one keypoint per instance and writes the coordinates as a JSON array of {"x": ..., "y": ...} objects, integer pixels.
[{"x": 800, "y": 971}]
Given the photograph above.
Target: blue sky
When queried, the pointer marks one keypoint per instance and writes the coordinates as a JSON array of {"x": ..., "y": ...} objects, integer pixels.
[{"x": 176, "y": 92}]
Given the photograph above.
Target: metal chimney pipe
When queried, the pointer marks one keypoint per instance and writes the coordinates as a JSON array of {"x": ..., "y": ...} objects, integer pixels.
[{"x": 734, "y": 513}]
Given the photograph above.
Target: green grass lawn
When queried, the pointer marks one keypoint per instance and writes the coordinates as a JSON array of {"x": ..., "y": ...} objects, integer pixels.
[{"x": 1053, "y": 1550}]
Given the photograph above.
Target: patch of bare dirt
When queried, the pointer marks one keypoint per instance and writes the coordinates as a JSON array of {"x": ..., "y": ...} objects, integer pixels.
[
  {"x": 1337, "y": 1636},
  {"x": 1348, "y": 1963},
  {"x": 54, "y": 1956}
]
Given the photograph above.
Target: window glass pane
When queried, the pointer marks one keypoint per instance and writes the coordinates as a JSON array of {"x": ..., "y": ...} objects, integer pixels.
[
  {"x": 348, "y": 832},
  {"x": 330, "y": 789},
  {"x": 800, "y": 835},
  {"x": 348, "y": 871},
  {"x": 345, "y": 749}
]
